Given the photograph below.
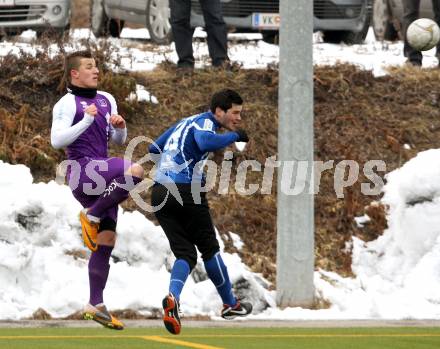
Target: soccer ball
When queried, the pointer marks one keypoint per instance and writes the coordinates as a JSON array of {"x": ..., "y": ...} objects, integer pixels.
[{"x": 423, "y": 34}]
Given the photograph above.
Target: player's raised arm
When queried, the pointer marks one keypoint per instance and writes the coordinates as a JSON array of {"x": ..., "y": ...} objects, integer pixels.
[
  {"x": 118, "y": 129},
  {"x": 63, "y": 133},
  {"x": 118, "y": 126}
]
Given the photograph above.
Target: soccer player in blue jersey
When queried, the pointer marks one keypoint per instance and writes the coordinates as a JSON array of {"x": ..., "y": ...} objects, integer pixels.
[
  {"x": 84, "y": 120},
  {"x": 184, "y": 215}
]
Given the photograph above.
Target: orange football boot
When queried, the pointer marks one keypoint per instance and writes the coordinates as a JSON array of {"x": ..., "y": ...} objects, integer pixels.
[
  {"x": 89, "y": 231},
  {"x": 171, "y": 317},
  {"x": 100, "y": 314}
]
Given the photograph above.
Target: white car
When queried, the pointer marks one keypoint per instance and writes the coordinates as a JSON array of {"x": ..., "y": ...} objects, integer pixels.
[
  {"x": 18, "y": 15},
  {"x": 339, "y": 20}
]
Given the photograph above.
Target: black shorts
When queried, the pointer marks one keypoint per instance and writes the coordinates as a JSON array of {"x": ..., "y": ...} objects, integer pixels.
[
  {"x": 107, "y": 223},
  {"x": 186, "y": 226}
]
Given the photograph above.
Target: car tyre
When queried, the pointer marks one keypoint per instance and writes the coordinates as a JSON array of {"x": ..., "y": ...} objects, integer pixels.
[
  {"x": 348, "y": 37},
  {"x": 382, "y": 21},
  {"x": 158, "y": 21}
]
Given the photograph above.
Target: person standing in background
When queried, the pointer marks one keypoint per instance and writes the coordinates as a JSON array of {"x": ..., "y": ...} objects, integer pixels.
[
  {"x": 410, "y": 14},
  {"x": 183, "y": 32}
]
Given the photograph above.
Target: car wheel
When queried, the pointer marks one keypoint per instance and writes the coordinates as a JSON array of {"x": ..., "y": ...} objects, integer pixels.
[
  {"x": 158, "y": 21},
  {"x": 382, "y": 21},
  {"x": 99, "y": 21},
  {"x": 347, "y": 37}
]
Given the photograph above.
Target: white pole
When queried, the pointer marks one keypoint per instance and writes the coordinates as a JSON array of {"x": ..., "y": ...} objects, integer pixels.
[{"x": 295, "y": 212}]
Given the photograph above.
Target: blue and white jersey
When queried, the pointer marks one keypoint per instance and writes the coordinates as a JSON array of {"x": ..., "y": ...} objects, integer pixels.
[{"x": 185, "y": 147}]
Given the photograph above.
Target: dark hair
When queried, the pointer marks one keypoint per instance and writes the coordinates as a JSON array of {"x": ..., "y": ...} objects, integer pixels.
[
  {"x": 73, "y": 61},
  {"x": 224, "y": 100}
]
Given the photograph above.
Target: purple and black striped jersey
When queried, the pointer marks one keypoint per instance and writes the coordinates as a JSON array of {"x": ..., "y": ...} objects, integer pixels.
[{"x": 85, "y": 135}]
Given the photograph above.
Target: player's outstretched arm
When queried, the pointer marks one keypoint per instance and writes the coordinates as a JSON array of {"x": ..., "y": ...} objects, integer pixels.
[{"x": 208, "y": 141}]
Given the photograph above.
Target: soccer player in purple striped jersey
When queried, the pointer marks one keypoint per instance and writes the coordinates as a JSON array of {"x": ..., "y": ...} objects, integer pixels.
[{"x": 84, "y": 121}]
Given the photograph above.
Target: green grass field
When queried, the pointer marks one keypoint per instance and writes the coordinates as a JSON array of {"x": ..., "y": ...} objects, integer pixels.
[{"x": 226, "y": 338}]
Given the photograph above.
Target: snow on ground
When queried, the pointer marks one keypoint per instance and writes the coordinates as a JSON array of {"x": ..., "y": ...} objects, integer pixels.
[
  {"x": 137, "y": 52},
  {"x": 40, "y": 240},
  {"x": 397, "y": 275}
]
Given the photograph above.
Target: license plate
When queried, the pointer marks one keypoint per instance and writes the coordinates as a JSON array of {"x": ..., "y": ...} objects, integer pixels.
[
  {"x": 266, "y": 20},
  {"x": 6, "y": 3}
]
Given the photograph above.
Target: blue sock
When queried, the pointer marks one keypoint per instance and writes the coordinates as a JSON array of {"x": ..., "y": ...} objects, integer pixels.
[
  {"x": 218, "y": 274},
  {"x": 179, "y": 274}
]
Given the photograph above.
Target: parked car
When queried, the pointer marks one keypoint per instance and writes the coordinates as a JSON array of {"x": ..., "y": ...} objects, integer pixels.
[
  {"x": 18, "y": 15},
  {"x": 339, "y": 20},
  {"x": 388, "y": 15}
]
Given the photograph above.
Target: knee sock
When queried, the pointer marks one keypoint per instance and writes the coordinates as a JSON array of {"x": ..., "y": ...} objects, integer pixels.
[
  {"x": 116, "y": 192},
  {"x": 98, "y": 273},
  {"x": 179, "y": 274},
  {"x": 218, "y": 273}
]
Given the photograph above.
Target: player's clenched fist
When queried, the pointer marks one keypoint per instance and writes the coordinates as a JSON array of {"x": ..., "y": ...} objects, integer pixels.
[
  {"x": 91, "y": 110},
  {"x": 117, "y": 121}
]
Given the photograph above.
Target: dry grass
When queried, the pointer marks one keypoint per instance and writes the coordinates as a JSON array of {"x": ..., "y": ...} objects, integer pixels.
[{"x": 357, "y": 116}]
